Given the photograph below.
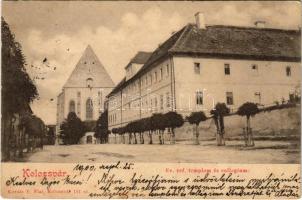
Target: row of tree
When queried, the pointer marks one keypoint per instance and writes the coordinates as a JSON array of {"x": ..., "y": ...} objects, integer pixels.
[
  {"x": 18, "y": 91},
  {"x": 158, "y": 123}
]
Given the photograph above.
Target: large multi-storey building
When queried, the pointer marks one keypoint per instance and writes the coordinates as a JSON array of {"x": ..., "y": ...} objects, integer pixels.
[
  {"x": 201, "y": 65},
  {"x": 85, "y": 90}
]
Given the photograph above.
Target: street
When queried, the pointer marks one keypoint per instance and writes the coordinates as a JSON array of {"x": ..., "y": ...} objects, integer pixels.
[{"x": 207, "y": 152}]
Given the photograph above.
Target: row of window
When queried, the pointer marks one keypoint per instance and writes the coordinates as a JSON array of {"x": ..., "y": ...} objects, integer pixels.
[
  {"x": 227, "y": 69},
  {"x": 229, "y": 98},
  {"x": 89, "y": 108},
  {"x": 112, "y": 118},
  {"x": 149, "y": 79},
  {"x": 146, "y": 106}
]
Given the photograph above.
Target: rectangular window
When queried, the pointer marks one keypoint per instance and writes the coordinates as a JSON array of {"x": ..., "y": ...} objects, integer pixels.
[
  {"x": 197, "y": 68},
  {"x": 155, "y": 104},
  {"x": 146, "y": 81},
  {"x": 167, "y": 68},
  {"x": 229, "y": 98},
  {"x": 100, "y": 96},
  {"x": 288, "y": 71},
  {"x": 78, "y": 103},
  {"x": 227, "y": 69},
  {"x": 258, "y": 97},
  {"x": 155, "y": 77},
  {"x": 161, "y": 73},
  {"x": 150, "y": 77},
  {"x": 199, "y": 98},
  {"x": 168, "y": 100},
  {"x": 161, "y": 102}
]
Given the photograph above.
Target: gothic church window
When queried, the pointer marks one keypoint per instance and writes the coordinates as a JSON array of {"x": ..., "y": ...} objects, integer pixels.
[
  {"x": 71, "y": 106},
  {"x": 89, "y": 109}
]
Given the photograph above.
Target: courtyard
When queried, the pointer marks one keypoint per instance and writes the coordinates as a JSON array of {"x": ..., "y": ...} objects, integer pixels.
[{"x": 264, "y": 151}]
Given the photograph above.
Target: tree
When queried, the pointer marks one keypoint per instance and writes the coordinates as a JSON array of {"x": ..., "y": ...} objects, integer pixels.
[
  {"x": 218, "y": 113},
  {"x": 121, "y": 132},
  {"x": 35, "y": 129},
  {"x": 18, "y": 90},
  {"x": 196, "y": 118},
  {"x": 249, "y": 110},
  {"x": 141, "y": 129},
  {"x": 148, "y": 127},
  {"x": 115, "y": 131},
  {"x": 129, "y": 130},
  {"x": 159, "y": 124},
  {"x": 101, "y": 129},
  {"x": 72, "y": 129},
  {"x": 174, "y": 120},
  {"x": 154, "y": 124}
]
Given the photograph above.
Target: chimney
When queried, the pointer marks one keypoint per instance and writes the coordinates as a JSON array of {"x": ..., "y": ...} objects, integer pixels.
[
  {"x": 260, "y": 24},
  {"x": 200, "y": 21}
]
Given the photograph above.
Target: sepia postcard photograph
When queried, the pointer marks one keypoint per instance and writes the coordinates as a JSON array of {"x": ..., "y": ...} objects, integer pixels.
[{"x": 151, "y": 99}]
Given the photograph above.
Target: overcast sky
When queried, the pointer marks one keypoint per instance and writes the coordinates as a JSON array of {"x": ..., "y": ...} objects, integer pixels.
[{"x": 60, "y": 31}]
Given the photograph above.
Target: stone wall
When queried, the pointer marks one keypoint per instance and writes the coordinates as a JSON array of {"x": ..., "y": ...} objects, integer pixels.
[{"x": 277, "y": 123}]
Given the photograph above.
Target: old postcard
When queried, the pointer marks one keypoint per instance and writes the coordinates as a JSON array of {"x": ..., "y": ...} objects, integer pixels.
[{"x": 151, "y": 100}]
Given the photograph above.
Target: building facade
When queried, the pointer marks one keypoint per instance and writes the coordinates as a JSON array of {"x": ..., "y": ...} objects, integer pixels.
[
  {"x": 85, "y": 90},
  {"x": 201, "y": 65}
]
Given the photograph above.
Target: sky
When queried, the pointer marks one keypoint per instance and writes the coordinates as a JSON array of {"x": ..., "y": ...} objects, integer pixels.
[{"x": 60, "y": 32}]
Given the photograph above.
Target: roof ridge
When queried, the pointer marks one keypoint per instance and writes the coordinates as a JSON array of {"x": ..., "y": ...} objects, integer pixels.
[{"x": 254, "y": 28}]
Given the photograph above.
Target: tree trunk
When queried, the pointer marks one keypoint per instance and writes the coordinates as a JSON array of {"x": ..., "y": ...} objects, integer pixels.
[
  {"x": 130, "y": 137},
  {"x": 172, "y": 136},
  {"x": 159, "y": 137},
  {"x": 135, "y": 140},
  {"x": 221, "y": 122},
  {"x": 196, "y": 139},
  {"x": 150, "y": 136},
  {"x": 218, "y": 136},
  {"x": 123, "y": 139},
  {"x": 250, "y": 141},
  {"x": 141, "y": 137},
  {"x": 162, "y": 136}
]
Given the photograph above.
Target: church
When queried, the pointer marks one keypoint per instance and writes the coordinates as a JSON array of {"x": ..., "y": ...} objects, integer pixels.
[{"x": 85, "y": 90}]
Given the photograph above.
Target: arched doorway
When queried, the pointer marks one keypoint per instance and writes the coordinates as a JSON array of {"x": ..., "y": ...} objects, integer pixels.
[{"x": 89, "y": 139}]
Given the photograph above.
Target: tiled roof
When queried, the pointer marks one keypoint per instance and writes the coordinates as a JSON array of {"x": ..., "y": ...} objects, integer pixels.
[
  {"x": 141, "y": 57},
  {"x": 228, "y": 42},
  {"x": 118, "y": 87},
  {"x": 241, "y": 42}
]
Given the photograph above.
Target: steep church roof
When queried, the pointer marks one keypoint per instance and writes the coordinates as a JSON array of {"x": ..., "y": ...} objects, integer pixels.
[{"x": 89, "y": 67}]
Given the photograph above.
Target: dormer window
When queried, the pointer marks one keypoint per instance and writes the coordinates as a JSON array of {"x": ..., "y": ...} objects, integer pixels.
[{"x": 89, "y": 82}]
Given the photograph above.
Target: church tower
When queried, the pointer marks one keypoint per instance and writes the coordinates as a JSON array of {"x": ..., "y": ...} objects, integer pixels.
[{"x": 85, "y": 90}]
